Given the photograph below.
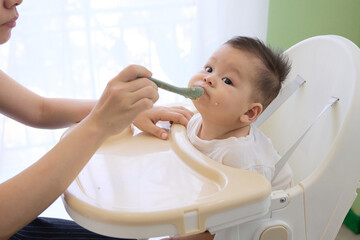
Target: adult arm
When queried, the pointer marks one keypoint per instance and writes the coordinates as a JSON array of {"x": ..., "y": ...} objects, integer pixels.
[
  {"x": 29, "y": 108},
  {"x": 25, "y": 196},
  {"x": 25, "y": 106}
]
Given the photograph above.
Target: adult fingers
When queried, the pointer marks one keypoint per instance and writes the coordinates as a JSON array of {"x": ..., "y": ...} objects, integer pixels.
[
  {"x": 133, "y": 86},
  {"x": 144, "y": 93},
  {"x": 133, "y": 72},
  {"x": 141, "y": 106}
]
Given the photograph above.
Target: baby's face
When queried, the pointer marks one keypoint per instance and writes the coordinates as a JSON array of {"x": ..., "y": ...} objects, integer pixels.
[{"x": 228, "y": 81}]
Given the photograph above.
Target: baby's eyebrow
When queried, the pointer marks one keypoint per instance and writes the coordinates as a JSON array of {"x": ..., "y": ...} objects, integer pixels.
[
  {"x": 211, "y": 60},
  {"x": 236, "y": 71}
]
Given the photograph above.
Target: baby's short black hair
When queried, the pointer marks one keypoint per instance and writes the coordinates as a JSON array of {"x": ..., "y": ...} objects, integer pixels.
[{"x": 276, "y": 67}]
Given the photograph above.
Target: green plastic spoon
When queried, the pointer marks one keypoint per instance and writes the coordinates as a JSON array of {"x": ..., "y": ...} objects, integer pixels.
[{"x": 192, "y": 92}]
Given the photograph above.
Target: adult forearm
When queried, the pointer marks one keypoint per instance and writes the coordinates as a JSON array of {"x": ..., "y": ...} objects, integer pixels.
[
  {"x": 59, "y": 112},
  {"x": 25, "y": 196},
  {"x": 25, "y": 106}
]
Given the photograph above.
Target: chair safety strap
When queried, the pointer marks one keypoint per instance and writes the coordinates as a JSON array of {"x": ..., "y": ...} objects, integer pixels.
[
  {"x": 279, "y": 165},
  {"x": 284, "y": 94}
]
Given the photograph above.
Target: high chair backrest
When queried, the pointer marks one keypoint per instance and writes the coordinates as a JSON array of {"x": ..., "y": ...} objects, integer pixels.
[{"x": 326, "y": 164}]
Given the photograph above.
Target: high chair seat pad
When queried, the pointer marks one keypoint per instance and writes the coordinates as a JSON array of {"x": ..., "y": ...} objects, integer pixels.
[{"x": 138, "y": 186}]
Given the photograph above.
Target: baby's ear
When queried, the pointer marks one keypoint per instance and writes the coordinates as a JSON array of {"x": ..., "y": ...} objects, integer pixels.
[{"x": 252, "y": 114}]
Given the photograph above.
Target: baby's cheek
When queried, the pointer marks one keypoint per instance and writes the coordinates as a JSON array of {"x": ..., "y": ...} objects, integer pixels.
[{"x": 191, "y": 82}]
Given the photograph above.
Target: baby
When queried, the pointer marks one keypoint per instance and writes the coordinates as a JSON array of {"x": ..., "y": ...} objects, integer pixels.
[{"x": 240, "y": 80}]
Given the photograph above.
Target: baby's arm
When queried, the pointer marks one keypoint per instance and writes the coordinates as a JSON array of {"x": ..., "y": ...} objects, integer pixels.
[
  {"x": 27, "y": 107},
  {"x": 146, "y": 121}
]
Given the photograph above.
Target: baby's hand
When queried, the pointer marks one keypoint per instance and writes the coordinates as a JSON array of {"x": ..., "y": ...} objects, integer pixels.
[
  {"x": 125, "y": 96},
  {"x": 146, "y": 121}
]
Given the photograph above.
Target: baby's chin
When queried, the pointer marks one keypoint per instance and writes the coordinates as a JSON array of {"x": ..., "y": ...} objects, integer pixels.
[{"x": 201, "y": 104}]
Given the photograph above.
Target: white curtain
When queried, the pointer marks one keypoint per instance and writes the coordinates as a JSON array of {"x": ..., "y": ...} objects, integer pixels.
[{"x": 71, "y": 48}]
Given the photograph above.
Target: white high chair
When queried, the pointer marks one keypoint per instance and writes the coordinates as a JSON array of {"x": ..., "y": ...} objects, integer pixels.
[{"x": 138, "y": 186}]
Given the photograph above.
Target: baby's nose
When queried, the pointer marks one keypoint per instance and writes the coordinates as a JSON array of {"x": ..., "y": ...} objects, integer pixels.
[{"x": 208, "y": 81}]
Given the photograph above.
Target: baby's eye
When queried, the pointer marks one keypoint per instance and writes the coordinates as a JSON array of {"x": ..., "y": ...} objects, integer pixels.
[
  {"x": 208, "y": 69},
  {"x": 227, "y": 81}
]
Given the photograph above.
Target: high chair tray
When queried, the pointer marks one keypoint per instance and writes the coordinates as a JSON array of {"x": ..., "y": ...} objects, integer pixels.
[{"x": 138, "y": 186}]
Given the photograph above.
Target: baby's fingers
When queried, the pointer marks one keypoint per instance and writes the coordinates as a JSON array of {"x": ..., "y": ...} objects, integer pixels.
[
  {"x": 148, "y": 126},
  {"x": 178, "y": 115},
  {"x": 184, "y": 111}
]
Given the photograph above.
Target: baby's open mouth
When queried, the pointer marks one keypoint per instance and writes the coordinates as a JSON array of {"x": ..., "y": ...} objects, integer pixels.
[{"x": 205, "y": 92}]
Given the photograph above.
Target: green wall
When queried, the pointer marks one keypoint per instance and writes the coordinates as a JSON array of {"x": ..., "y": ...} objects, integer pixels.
[{"x": 291, "y": 21}]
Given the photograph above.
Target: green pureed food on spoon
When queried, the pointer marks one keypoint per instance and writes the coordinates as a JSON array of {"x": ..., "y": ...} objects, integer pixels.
[{"x": 193, "y": 92}]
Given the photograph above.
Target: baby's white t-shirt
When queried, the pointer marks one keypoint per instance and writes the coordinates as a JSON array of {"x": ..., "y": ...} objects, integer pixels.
[{"x": 255, "y": 152}]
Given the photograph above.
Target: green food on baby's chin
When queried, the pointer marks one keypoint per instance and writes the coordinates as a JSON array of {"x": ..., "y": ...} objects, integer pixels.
[{"x": 193, "y": 92}]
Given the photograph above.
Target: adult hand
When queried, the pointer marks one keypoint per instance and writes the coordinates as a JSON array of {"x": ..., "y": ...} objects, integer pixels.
[
  {"x": 146, "y": 121},
  {"x": 125, "y": 96}
]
